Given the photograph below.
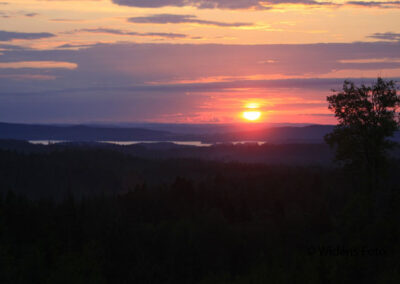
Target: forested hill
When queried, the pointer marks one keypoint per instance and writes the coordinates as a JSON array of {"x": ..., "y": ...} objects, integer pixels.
[
  {"x": 93, "y": 171},
  {"x": 80, "y": 133},
  {"x": 286, "y": 134},
  {"x": 87, "y": 215},
  {"x": 286, "y": 154},
  {"x": 292, "y": 134}
]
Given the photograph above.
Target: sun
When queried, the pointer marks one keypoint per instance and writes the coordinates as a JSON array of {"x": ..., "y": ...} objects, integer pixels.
[{"x": 252, "y": 115}]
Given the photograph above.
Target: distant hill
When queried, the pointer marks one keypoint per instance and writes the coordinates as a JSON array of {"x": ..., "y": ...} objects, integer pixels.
[
  {"x": 281, "y": 134},
  {"x": 289, "y": 154},
  {"x": 200, "y": 128},
  {"x": 287, "y": 134},
  {"x": 270, "y": 153},
  {"x": 80, "y": 133}
]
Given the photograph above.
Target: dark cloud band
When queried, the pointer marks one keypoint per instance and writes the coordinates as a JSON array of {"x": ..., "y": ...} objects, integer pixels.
[
  {"x": 6, "y": 36},
  {"x": 375, "y": 4},
  {"x": 250, "y": 4},
  {"x": 386, "y": 36},
  {"x": 179, "y": 19},
  {"x": 202, "y": 4},
  {"x": 128, "y": 33}
]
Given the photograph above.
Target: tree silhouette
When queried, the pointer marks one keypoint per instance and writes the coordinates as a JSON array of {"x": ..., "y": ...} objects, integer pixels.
[{"x": 367, "y": 116}]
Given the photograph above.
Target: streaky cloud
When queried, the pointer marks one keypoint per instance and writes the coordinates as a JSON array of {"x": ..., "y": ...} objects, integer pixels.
[
  {"x": 64, "y": 20},
  {"x": 13, "y": 14},
  {"x": 7, "y": 36},
  {"x": 227, "y": 87},
  {"x": 128, "y": 33},
  {"x": 38, "y": 65},
  {"x": 220, "y": 4},
  {"x": 302, "y": 2},
  {"x": 252, "y": 4},
  {"x": 390, "y": 36},
  {"x": 201, "y": 4},
  {"x": 11, "y": 47},
  {"x": 31, "y": 15},
  {"x": 182, "y": 19},
  {"x": 68, "y": 45},
  {"x": 375, "y": 4}
]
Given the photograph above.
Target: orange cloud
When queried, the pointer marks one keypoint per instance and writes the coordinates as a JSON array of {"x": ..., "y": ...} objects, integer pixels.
[{"x": 38, "y": 65}]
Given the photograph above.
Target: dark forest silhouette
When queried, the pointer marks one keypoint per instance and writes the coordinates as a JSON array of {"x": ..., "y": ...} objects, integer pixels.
[{"x": 84, "y": 214}]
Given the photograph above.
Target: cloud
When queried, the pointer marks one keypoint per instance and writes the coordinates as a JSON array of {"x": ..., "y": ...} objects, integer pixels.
[
  {"x": 370, "y": 60},
  {"x": 202, "y": 4},
  {"x": 10, "y": 47},
  {"x": 61, "y": 20},
  {"x": 128, "y": 33},
  {"x": 251, "y": 4},
  {"x": 217, "y": 4},
  {"x": 360, "y": 4},
  {"x": 10, "y": 14},
  {"x": 4, "y": 15},
  {"x": 143, "y": 63},
  {"x": 130, "y": 81},
  {"x": 317, "y": 114},
  {"x": 368, "y": 64},
  {"x": 31, "y": 14},
  {"x": 38, "y": 65},
  {"x": 228, "y": 86},
  {"x": 386, "y": 36},
  {"x": 76, "y": 46},
  {"x": 301, "y": 2},
  {"x": 6, "y": 35},
  {"x": 375, "y": 4},
  {"x": 179, "y": 19}
]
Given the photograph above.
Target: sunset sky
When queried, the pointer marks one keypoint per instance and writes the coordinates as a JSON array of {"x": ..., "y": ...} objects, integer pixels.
[{"x": 188, "y": 61}]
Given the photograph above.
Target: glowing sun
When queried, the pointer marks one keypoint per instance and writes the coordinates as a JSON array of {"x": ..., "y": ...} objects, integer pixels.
[{"x": 252, "y": 115}]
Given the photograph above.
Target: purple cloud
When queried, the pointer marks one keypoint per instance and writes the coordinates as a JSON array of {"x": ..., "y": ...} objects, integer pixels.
[
  {"x": 386, "y": 36},
  {"x": 217, "y": 4},
  {"x": 4, "y": 15},
  {"x": 10, "y": 14},
  {"x": 249, "y": 4},
  {"x": 6, "y": 36},
  {"x": 134, "y": 81},
  {"x": 128, "y": 33},
  {"x": 375, "y": 4},
  {"x": 11, "y": 47},
  {"x": 31, "y": 14},
  {"x": 202, "y": 4},
  {"x": 179, "y": 19},
  {"x": 303, "y": 2}
]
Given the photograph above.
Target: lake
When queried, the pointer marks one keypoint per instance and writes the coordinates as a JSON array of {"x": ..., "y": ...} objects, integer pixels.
[{"x": 126, "y": 143}]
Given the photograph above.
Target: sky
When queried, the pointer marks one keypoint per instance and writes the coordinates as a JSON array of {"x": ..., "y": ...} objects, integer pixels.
[{"x": 189, "y": 61}]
